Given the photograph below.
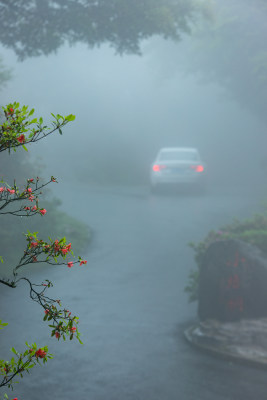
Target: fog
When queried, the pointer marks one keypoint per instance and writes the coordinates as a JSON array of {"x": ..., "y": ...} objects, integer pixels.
[
  {"x": 130, "y": 297},
  {"x": 126, "y": 108}
]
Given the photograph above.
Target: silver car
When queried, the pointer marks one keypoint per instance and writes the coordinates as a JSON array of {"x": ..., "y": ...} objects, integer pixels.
[{"x": 178, "y": 166}]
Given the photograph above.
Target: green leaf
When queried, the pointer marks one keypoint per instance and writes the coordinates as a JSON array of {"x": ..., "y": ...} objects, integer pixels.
[
  {"x": 25, "y": 148},
  {"x": 31, "y": 112},
  {"x": 70, "y": 117},
  {"x": 2, "y": 324}
]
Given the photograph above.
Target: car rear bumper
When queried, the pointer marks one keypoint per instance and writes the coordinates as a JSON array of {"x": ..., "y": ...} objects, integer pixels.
[{"x": 177, "y": 179}]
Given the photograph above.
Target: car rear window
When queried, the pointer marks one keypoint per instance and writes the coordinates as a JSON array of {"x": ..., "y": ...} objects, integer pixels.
[{"x": 178, "y": 155}]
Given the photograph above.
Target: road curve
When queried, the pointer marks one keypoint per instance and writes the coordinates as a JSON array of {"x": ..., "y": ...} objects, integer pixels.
[{"x": 131, "y": 302}]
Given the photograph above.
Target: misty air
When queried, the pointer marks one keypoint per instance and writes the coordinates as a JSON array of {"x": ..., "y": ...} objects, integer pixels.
[{"x": 133, "y": 199}]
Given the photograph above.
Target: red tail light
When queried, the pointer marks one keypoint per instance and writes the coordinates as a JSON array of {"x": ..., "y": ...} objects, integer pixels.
[
  {"x": 158, "y": 167},
  {"x": 198, "y": 168}
]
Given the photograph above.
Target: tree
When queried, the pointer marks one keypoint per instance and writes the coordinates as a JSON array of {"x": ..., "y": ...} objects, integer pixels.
[
  {"x": 18, "y": 130},
  {"x": 35, "y": 27},
  {"x": 231, "y": 50}
]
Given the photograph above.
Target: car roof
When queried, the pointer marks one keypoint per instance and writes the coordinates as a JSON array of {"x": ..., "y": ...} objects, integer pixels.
[{"x": 191, "y": 149}]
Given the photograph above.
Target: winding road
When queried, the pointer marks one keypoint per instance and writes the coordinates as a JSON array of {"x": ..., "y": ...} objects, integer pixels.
[{"x": 131, "y": 302}]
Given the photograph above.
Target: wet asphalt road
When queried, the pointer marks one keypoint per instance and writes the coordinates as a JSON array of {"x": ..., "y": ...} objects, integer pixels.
[{"x": 131, "y": 302}]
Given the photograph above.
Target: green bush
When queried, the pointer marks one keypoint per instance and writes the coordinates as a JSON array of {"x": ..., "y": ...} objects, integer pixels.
[{"x": 252, "y": 230}]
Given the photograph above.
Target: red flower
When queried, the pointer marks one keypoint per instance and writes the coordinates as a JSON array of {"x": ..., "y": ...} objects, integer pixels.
[
  {"x": 2, "y": 189},
  {"x": 70, "y": 264},
  {"x": 11, "y": 191},
  {"x": 57, "y": 335},
  {"x": 42, "y": 211},
  {"x": 21, "y": 138},
  {"x": 40, "y": 353},
  {"x": 56, "y": 246},
  {"x": 11, "y": 110},
  {"x": 33, "y": 244},
  {"x": 26, "y": 208},
  {"x": 73, "y": 329},
  {"x": 83, "y": 262},
  {"x": 34, "y": 208},
  {"x": 64, "y": 251},
  {"x": 46, "y": 311}
]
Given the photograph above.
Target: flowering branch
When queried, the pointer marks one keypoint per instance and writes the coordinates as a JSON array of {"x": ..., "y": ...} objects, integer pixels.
[
  {"x": 40, "y": 251},
  {"x": 63, "y": 324},
  {"x": 22, "y": 363},
  {"x": 19, "y": 129},
  {"x": 31, "y": 192}
]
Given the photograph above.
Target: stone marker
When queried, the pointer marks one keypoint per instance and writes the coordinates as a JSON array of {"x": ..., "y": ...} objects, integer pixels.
[{"x": 232, "y": 282}]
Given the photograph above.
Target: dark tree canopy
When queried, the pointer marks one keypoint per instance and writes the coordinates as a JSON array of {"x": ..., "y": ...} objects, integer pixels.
[{"x": 35, "y": 27}]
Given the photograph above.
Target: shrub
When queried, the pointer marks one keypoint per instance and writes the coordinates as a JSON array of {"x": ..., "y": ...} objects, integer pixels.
[{"x": 252, "y": 230}]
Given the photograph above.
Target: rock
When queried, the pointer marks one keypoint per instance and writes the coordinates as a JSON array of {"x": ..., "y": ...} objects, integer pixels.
[
  {"x": 244, "y": 341},
  {"x": 232, "y": 282}
]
